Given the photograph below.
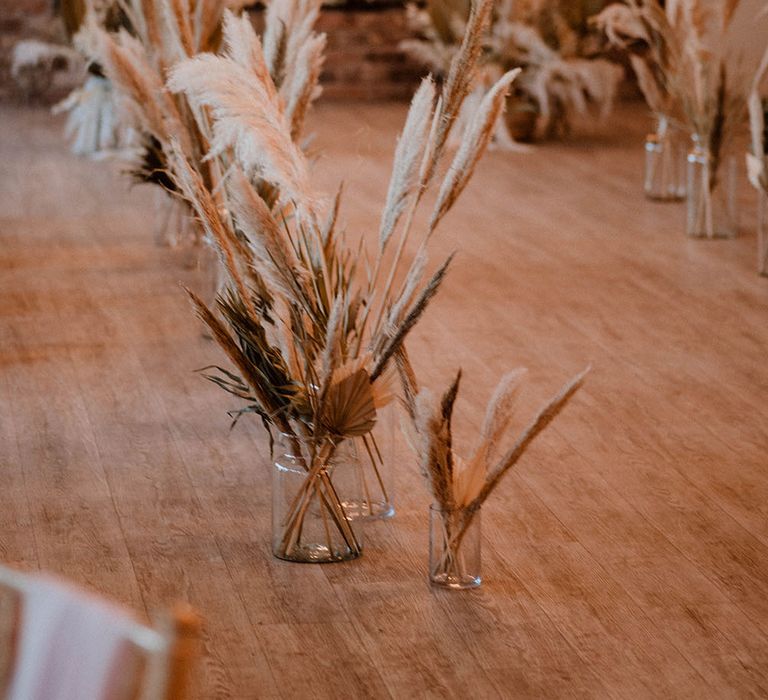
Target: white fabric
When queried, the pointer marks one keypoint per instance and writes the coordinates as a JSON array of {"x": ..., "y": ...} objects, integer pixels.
[{"x": 72, "y": 646}]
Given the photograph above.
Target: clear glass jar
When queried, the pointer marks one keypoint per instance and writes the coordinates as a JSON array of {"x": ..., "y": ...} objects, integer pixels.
[
  {"x": 664, "y": 179},
  {"x": 762, "y": 232},
  {"x": 712, "y": 211},
  {"x": 454, "y": 548},
  {"x": 367, "y": 481},
  {"x": 309, "y": 523},
  {"x": 174, "y": 224},
  {"x": 195, "y": 255}
]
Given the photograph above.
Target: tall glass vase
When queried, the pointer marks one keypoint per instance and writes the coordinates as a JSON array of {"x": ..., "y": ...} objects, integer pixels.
[
  {"x": 762, "y": 232},
  {"x": 309, "y": 523},
  {"x": 175, "y": 227},
  {"x": 367, "y": 478},
  {"x": 712, "y": 211},
  {"x": 664, "y": 179}
]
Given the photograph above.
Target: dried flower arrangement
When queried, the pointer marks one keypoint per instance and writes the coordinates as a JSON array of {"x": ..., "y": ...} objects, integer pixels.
[
  {"x": 686, "y": 59},
  {"x": 153, "y": 36},
  {"x": 310, "y": 331},
  {"x": 557, "y": 80},
  {"x": 460, "y": 486},
  {"x": 309, "y": 324},
  {"x": 643, "y": 29}
]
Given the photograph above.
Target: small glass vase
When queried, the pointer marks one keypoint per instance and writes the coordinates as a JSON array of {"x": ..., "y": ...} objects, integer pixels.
[
  {"x": 454, "y": 548},
  {"x": 367, "y": 479},
  {"x": 174, "y": 225},
  {"x": 762, "y": 233},
  {"x": 712, "y": 211},
  {"x": 309, "y": 524},
  {"x": 195, "y": 253},
  {"x": 664, "y": 163}
]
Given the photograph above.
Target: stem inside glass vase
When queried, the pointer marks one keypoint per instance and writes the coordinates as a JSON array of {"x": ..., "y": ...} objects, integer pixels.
[
  {"x": 309, "y": 523},
  {"x": 454, "y": 547},
  {"x": 711, "y": 203}
]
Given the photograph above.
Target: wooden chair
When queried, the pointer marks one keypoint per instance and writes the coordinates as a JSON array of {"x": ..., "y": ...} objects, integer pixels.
[{"x": 162, "y": 654}]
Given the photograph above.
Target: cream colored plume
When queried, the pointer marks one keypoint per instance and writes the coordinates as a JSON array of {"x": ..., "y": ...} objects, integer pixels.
[
  {"x": 300, "y": 87},
  {"x": 248, "y": 119},
  {"x": 274, "y": 257},
  {"x": 408, "y": 159},
  {"x": 242, "y": 45},
  {"x": 473, "y": 145},
  {"x": 125, "y": 63},
  {"x": 498, "y": 415}
]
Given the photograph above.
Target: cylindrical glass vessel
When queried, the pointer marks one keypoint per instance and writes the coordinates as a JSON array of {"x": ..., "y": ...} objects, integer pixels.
[
  {"x": 664, "y": 179},
  {"x": 367, "y": 479},
  {"x": 454, "y": 548},
  {"x": 762, "y": 232},
  {"x": 712, "y": 211},
  {"x": 174, "y": 224},
  {"x": 194, "y": 252},
  {"x": 309, "y": 523}
]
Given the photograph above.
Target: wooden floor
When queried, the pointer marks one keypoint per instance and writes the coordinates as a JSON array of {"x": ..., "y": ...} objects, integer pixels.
[{"x": 627, "y": 558}]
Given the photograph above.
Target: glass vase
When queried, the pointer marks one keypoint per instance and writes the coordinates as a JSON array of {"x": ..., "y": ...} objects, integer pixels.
[
  {"x": 309, "y": 523},
  {"x": 174, "y": 225},
  {"x": 712, "y": 211},
  {"x": 454, "y": 548},
  {"x": 194, "y": 252},
  {"x": 664, "y": 163},
  {"x": 367, "y": 479},
  {"x": 762, "y": 233}
]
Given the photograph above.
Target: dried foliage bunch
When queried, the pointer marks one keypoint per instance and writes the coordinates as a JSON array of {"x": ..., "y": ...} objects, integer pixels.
[
  {"x": 157, "y": 35},
  {"x": 642, "y": 28},
  {"x": 311, "y": 330},
  {"x": 691, "y": 56},
  {"x": 560, "y": 76},
  {"x": 460, "y": 487}
]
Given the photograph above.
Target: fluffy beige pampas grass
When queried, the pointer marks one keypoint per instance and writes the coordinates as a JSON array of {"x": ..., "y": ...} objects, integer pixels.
[{"x": 247, "y": 119}]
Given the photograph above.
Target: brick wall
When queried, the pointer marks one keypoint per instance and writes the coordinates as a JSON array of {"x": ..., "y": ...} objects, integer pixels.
[{"x": 362, "y": 59}]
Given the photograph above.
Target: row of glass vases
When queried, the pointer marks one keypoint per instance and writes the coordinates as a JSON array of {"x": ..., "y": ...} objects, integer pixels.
[
  {"x": 710, "y": 186},
  {"x": 317, "y": 513}
]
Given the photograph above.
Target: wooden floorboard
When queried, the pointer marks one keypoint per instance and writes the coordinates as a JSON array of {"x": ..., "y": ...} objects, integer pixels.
[{"x": 626, "y": 558}]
